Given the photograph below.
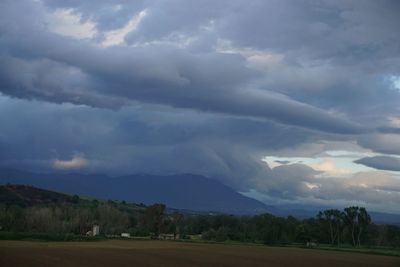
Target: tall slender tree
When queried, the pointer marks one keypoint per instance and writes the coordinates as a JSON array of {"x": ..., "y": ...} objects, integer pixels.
[
  {"x": 351, "y": 221},
  {"x": 357, "y": 220},
  {"x": 332, "y": 218},
  {"x": 363, "y": 219}
]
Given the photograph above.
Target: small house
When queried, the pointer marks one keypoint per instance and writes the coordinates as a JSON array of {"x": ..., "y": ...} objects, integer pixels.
[{"x": 126, "y": 235}]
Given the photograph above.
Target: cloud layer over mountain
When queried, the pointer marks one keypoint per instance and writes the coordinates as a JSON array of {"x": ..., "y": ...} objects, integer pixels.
[{"x": 208, "y": 87}]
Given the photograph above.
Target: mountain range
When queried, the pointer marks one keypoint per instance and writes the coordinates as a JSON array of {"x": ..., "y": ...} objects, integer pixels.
[{"x": 183, "y": 191}]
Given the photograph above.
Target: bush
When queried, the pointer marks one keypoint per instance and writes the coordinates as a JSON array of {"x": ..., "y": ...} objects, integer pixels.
[{"x": 209, "y": 235}]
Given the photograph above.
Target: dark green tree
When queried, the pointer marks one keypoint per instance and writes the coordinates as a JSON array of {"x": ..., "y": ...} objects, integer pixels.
[{"x": 153, "y": 218}]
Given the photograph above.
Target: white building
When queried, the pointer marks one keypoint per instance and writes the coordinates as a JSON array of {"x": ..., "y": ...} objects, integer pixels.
[
  {"x": 96, "y": 230},
  {"x": 126, "y": 235}
]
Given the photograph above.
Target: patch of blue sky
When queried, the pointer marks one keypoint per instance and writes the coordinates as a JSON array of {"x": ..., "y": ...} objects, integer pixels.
[
  {"x": 395, "y": 80},
  {"x": 333, "y": 163}
]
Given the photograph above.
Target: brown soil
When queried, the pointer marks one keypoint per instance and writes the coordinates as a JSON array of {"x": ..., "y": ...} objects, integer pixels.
[{"x": 157, "y": 253}]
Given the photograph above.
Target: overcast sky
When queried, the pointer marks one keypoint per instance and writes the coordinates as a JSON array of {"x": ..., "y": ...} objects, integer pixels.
[{"x": 286, "y": 101}]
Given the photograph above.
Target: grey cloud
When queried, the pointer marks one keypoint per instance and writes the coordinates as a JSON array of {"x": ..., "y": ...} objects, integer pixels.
[
  {"x": 389, "y": 130},
  {"x": 381, "y": 163},
  {"x": 344, "y": 31},
  {"x": 368, "y": 187},
  {"x": 162, "y": 140},
  {"x": 51, "y": 81},
  {"x": 138, "y": 139},
  {"x": 166, "y": 20},
  {"x": 159, "y": 74},
  {"x": 204, "y": 87},
  {"x": 287, "y": 181},
  {"x": 334, "y": 54},
  {"x": 383, "y": 143},
  {"x": 108, "y": 15},
  {"x": 297, "y": 181}
]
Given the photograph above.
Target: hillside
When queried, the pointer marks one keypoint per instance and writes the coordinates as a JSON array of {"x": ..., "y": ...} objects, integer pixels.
[
  {"x": 25, "y": 196},
  {"x": 185, "y": 191}
]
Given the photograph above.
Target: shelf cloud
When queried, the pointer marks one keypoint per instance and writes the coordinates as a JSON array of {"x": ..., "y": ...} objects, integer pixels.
[{"x": 212, "y": 90}]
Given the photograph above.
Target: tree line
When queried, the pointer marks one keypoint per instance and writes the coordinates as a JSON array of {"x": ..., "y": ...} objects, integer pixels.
[{"x": 351, "y": 225}]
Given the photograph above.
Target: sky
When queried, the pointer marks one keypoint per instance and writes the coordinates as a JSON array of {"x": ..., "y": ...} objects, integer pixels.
[{"x": 289, "y": 102}]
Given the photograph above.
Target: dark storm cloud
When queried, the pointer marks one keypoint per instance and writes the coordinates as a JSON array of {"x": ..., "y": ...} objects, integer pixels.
[
  {"x": 150, "y": 139},
  {"x": 381, "y": 163},
  {"x": 206, "y": 87},
  {"x": 155, "y": 74}
]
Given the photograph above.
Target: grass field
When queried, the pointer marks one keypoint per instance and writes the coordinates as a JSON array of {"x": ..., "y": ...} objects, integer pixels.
[{"x": 158, "y": 253}]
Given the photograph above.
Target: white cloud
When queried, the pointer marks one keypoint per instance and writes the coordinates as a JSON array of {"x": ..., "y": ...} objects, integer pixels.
[
  {"x": 395, "y": 81},
  {"x": 117, "y": 37},
  {"x": 67, "y": 23},
  {"x": 330, "y": 168},
  {"x": 76, "y": 162}
]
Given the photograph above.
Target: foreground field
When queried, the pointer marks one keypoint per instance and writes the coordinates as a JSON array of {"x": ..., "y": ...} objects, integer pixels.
[{"x": 157, "y": 253}]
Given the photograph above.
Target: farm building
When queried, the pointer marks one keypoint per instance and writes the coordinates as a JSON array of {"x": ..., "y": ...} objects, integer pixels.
[
  {"x": 126, "y": 235},
  {"x": 96, "y": 230}
]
